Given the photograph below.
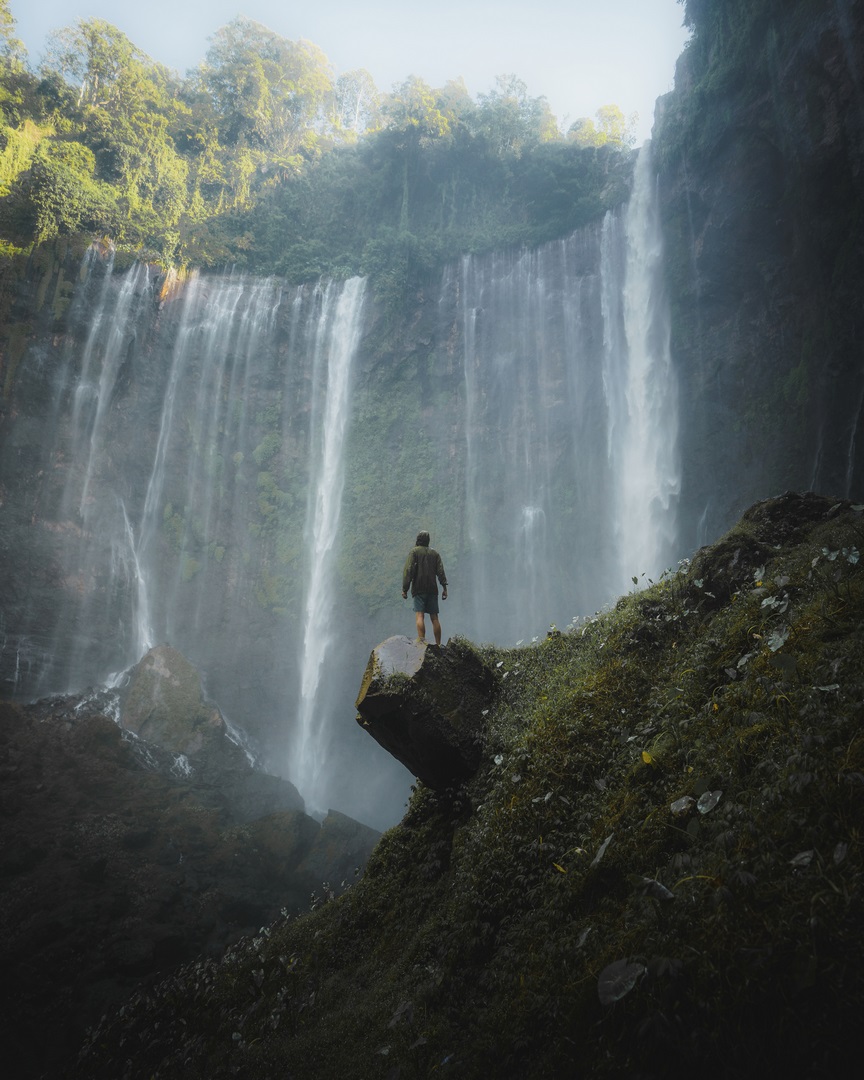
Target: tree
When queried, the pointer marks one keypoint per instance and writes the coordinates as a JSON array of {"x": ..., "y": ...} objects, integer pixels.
[
  {"x": 126, "y": 105},
  {"x": 58, "y": 194},
  {"x": 415, "y": 107},
  {"x": 98, "y": 59},
  {"x": 268, "y": 93},
  {"x": 511, "y": 120},
  {"x": 14, "y": 77},
  {"x": 611, "y": 129},
  {"x": 357, "y": 102}
]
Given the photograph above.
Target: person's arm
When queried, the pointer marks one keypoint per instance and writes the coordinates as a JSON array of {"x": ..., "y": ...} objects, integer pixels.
[
  {"x": 407, "y": 574},
  {"x": 442, "y": 577}
]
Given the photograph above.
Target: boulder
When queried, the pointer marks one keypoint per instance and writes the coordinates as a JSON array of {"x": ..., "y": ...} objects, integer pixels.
[
  {"x": 164, "y": 705},
  {"x": 426, "y": 706}
]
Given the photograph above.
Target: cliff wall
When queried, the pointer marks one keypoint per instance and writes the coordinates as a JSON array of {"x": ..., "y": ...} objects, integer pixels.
[{"x": 760, "y": 150}]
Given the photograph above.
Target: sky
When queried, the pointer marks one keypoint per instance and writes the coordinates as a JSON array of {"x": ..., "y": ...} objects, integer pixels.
[{"x": 578, "y": 54}]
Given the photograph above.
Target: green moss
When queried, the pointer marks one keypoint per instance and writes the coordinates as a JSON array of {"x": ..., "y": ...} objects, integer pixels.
[
  {"x": 189, "y": 568},
  {"x": 274, "y": 592},
  {"x": 14, "y": 348},
  {"x": 268, "y": 448}
]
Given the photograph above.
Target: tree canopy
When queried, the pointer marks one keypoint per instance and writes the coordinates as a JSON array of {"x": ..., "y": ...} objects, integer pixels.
[{"x": 263, "y": 157}]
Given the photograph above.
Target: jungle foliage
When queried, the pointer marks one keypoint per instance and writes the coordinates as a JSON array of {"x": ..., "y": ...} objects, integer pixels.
[
  {"x": 657, "y": 870},
  {"x": 262, "y": 158}
]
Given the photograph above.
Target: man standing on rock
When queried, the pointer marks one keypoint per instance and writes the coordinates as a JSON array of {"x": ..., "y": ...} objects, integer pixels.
[{"x": 423, "y": 570}]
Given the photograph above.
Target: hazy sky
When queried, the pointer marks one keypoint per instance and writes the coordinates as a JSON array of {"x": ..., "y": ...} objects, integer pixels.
[{"x": 580, "y": 54}]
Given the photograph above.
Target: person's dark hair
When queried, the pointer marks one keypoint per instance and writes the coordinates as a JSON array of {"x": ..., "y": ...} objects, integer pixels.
[{"x": 422, "y": 539}]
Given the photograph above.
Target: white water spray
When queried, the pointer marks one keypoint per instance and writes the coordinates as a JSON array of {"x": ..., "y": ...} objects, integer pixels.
[
  {"x": 641, "y": 387},
  {"x": 108, "y": 354},
  {"x": 338, "y": 335}
]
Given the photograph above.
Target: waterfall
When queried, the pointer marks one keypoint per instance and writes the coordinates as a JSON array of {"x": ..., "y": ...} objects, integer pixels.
[
  {"x": 336, "y": 339},
  {"x": 641, "y": 388},
  {"x": 851, "y": 455},
  {"x": 224, "y": 333},
  {"x": 100, "y": 583},
  {"x": 571, "y": 462},
  {"x": 530, "y": 387},
  {"x": 215, "y": 473}
]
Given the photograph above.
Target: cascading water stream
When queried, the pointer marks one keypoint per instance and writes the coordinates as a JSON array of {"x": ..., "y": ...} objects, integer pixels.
[
  {"x": 570, "y": 421},
  {"x": 110, "y": 356},
  {"x": 338, "y": 334},
  {"x": 640, "y": 384}
]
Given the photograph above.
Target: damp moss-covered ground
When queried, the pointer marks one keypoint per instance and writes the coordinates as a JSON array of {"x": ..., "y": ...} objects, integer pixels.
[{"x": 656, "y": 872}]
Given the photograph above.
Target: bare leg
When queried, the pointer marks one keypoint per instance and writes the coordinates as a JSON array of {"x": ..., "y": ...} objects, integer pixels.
[
  {"x": 436, "y": 626},
  {"x": 421, "y": 625}
]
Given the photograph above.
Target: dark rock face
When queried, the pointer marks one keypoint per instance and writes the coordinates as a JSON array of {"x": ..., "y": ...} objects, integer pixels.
[
  {"x": 425, "y": 706},
  {"x": 761, "y": 156},
  {"x": 114, "y": 868}
]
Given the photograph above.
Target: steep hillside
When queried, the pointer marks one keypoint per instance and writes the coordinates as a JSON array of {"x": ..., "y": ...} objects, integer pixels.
[
  {"x": 761, "y": 156},
  {"x": 656, "y": 871}
]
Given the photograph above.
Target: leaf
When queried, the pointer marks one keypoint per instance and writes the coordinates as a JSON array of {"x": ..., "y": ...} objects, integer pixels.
[
  {"x": 840, "y": 852},
  {"x": 708, "y": 801},
  {"x": 802, "y": 859},
  {"x": 559, "y": 867},
  {"x": 646, "y": 757},
  {"x": 654, "y": 888},
  {"x": 682, "y": 805},
  {"x": 601, "y": 851},
  {"x": 617, "y": 980},
  {"x": 405, "y": 1011},
  {"x": 777, "y": 638}
]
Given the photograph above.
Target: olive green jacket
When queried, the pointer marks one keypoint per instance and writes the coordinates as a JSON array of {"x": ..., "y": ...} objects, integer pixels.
[{"x": 422, "y": 567}]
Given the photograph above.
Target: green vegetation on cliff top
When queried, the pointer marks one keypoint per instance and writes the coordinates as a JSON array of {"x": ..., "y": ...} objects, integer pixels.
[
  {"x": 262, "y": 158},
  {"x": 657, "y": 870}
]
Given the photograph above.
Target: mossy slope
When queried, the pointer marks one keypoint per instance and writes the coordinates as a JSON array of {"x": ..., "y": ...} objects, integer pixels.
[{"x": 478, "y": 942}]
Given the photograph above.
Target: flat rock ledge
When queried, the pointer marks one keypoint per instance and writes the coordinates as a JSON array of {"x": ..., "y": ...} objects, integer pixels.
[{"x": 427, "y": 707}]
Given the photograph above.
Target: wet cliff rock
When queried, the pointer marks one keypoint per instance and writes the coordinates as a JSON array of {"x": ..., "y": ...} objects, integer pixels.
[
  {"x": 760, "y": 150},
  {"x": 163, "y": 703}
]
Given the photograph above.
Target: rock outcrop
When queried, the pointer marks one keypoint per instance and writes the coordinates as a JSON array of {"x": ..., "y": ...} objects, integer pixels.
[
  {"x": 120, "y": 859},
  {"x": 425, "y": 705},
  {"x": 164, "y": 704}
]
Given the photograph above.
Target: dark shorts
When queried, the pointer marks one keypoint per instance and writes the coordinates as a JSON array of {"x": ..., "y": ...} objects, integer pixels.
[{"x": 426, "y": 602}]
